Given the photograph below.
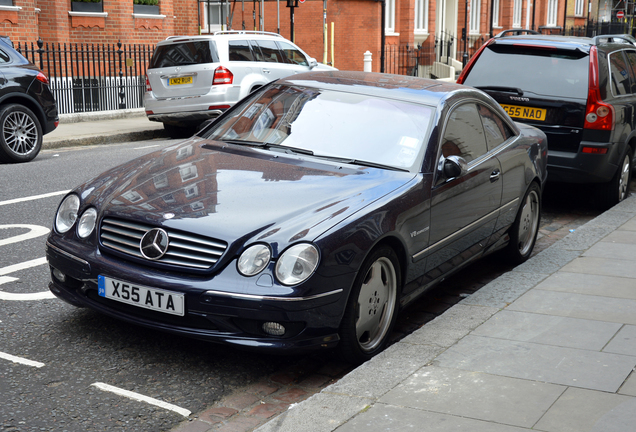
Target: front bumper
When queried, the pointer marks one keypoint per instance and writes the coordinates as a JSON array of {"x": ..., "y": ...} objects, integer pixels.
[{"x": 212, "y": 315}]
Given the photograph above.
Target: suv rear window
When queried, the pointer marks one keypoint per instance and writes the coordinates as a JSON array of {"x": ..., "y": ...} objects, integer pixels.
[
  {"x": 184, "y": 53},
  {"x": 548, "y": 72}
]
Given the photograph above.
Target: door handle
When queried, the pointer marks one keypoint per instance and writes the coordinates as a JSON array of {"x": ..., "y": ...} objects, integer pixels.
[
  {"x": 266, "y": 71},
  {"x": 494, "y": 176}
]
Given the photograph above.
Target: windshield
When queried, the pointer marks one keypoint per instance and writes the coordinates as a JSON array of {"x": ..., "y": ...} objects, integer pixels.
[
  {"x": 560, "y": 73},
  {"x": 328, "y": 123}
]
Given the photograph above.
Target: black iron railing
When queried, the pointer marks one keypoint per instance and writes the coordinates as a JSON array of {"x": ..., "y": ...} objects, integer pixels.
[{"x": 87, "y": 78}]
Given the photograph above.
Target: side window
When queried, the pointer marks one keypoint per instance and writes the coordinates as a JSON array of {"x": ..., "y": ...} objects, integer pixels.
[
  {"x": 631, "y": 59},
  {"x": 292, "y": 54},
  {"x": 4, "y": 57},
  {"x": 270, "y": 51},
  {"x": 239, "y": 50},
  {"x": 619, "y": 74},
  {"x": 464, "y": 134},
  {"x": 257, "y": 51},
  {"x": 496, "y": 130}
]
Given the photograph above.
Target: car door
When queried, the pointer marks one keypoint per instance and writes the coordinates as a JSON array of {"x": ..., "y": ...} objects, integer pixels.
[
  {"x": 465, "y": 207},
  {"x": 273, "y": 62}
]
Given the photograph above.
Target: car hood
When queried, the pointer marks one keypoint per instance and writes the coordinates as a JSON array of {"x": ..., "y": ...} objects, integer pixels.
[{"x": 238, "y": 194}]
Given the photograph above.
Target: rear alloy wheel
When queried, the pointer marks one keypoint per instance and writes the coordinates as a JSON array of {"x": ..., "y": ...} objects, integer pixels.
[
  {"x": 617, "y": 189},
  {"x": 372, "y": 308},
  {"x": 523, "y": 233},
  {"x": 20, "y": 134}
]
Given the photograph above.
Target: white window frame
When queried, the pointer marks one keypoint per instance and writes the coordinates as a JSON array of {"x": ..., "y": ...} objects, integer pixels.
[
  {"x": 213, "y": 27},
  {"x": 475, "y": 16},
  {"x": 389, "y": 19},
  {"x": 516, "y": 13},
  {"x": 579, "y": 6},
  {"x": 495, "y": 13},
  {"x": 421, "y": 16},
  {"x": 553, "y": 8}
]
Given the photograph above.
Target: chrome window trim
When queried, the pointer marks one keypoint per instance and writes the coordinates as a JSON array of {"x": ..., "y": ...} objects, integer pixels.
[{"x": 66, "y": 254}]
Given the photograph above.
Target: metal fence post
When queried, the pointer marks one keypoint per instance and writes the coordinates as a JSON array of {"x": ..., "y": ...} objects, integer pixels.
[
  {"x": 40, "y": 51},
  {"x": 122, "y": 95}
]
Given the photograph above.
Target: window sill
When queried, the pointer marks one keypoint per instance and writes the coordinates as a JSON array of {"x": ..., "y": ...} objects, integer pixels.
[
  {"x": 10, "y": 8},
  {"x": 388, "y": 33},
  {"x": 88, "y": 14},
  {"x": 147, "y": 16}
]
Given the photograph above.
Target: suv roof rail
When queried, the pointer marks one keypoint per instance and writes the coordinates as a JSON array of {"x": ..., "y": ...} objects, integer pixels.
[
  {"x": 516, "y": 32},
  {"x": 253, "y": 32},
  {"x": 616, "y": 38}
]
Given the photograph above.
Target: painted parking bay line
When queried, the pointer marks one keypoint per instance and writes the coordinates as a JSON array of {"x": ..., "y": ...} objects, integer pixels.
[
  {"x": 34, "y": 231},
  {"x": 4, "y": 271},
  {"x": 21, "y": 360},
  {"x": 138, "y": 397},
  {"x": 33, "y": 197}
]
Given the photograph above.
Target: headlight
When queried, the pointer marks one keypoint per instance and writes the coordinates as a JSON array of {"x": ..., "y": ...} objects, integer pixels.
[
  {"x": 296, "y": 264},
  {"x": 67, "y": 213},
  {"x": 86, "y": 224},
  {"x": 254, "y": 260}
]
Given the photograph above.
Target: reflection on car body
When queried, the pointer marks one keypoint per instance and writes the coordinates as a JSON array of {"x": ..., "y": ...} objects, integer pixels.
[{"x": 307, "y": 215}]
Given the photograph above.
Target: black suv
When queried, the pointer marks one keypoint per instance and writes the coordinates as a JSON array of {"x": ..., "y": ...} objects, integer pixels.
[
  {"x": 27, "y": 107},
  {"x": 580, "y": 91}
]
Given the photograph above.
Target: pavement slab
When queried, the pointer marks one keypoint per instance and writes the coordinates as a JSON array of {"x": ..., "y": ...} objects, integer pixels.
[
  {"x": 624, "y": 342},
  {"x": 597, "y": 285},
  {"x": 545, "y": 363},
  {"x": 475, "y": 395},
  {"x": 629, "y": 387},
  {"x": 580, "y": 410},
  {"x": 602, "y": 266}
]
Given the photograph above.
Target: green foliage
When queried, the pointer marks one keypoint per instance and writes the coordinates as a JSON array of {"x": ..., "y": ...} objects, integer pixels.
[{"x": 146, "y": 2}]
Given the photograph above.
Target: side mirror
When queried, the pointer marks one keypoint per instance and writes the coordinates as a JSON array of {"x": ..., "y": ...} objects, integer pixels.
[
  {"x": 454, "y": 166},
  {"x": 312, "y": 63}
]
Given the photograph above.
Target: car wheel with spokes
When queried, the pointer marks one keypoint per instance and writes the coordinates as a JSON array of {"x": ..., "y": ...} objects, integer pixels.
[
  {"x": 372, "y": 308},
  {"x": 20, "y": 134},
  {"x": 523, "y": 233},
  {"x": 617, "y": 189}
]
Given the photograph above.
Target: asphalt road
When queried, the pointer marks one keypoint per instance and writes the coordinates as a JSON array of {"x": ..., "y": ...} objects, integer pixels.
[{"x": 77, "y": 350}]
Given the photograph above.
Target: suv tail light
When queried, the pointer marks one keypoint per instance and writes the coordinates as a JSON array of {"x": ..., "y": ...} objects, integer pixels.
[
  {"x": 148, "y": 86},
  {"x": 222, "y": 76},
  {"x": 598, "y": 115},
  {"x": 42, "y": 78}
]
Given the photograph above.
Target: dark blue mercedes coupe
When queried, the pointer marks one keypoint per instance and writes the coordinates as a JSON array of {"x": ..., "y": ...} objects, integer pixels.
[{"x": 306, "y": 216}]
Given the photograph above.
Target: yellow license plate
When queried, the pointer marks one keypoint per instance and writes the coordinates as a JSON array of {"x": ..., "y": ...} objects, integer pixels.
[
  {"x": 180, "y": 80},
  {"x": 527, "y": 113}
]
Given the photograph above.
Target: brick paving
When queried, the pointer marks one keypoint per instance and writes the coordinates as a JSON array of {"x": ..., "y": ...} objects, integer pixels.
[{"x": 250, "y": 407}]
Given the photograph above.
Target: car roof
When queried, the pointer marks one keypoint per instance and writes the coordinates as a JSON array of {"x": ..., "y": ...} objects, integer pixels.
[
  {"x": 604, "y": 42},
  {"x": 225, "y": 35},
  {"x": 420, "y": 90}
]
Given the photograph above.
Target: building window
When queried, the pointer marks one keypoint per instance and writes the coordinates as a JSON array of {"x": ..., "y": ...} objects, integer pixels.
[
  {"x": 495, "y": 13},
  {"x": 475, "y": 16},
  {"x": 421, "y": 16},
  {"x": 516, "y": 14},
  {"x": 578, "y": 8},
  {"x": 389, "y": 23},
  {"x": 553, "y": 7},
  {"x": 214, "y": 16}
]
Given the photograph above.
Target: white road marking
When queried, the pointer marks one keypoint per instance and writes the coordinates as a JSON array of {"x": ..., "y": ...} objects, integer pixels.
[
  {"x": 35, "y": 231},
  {"x": 145, "y": 147},
  {"x": 138, "y": 397},
  {"x": 34, "y": 197},
  {"x": 21, "y": 360},
  {"x": 17, "y": 267}
]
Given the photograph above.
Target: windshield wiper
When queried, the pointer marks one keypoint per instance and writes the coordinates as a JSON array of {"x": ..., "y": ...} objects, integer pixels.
[
  {"x": 503, "y": 89},
  {"x": 360, "y": 162},
  {"x": 266, "y": 145}
]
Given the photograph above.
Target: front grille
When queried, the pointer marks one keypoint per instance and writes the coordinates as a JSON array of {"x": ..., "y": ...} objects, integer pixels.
[{"x": 184, "y": 250}]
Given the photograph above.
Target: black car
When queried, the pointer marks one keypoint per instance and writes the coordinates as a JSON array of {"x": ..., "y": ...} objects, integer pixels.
[
  {"x": 580, "y": 91},
  {"x": 27, "y": 108},
  {"x": 305, "y": 216}
]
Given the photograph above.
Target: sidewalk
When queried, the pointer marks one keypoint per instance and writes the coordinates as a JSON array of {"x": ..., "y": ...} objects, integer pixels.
[
  {"x": 549, "y": 346},
  {"x": 103, "y": 128}
]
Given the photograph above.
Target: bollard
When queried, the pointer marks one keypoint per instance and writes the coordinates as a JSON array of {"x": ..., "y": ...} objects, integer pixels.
[{"x": 367, "y": 61}]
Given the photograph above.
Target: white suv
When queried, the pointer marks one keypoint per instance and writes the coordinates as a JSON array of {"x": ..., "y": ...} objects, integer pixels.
[{"x": 194, "y": 78}]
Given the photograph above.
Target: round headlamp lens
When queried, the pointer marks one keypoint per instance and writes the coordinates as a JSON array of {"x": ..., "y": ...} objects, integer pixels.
[
  {"x": 254, "y": 260},
  {"x": 297, "y": 263},
  {"x": 67, "y": 214},
  {"x": 86, "y": 224}
]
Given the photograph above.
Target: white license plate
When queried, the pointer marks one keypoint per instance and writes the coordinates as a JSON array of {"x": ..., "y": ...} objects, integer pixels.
[{"x": 137, "y": 295}]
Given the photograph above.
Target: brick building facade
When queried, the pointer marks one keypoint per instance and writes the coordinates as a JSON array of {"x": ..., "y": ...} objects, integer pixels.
[{"x": 354, "y": 24}]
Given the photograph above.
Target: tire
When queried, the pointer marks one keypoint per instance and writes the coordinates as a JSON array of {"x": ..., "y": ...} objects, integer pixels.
[
  {"x": 617, "y": 189},
  {"x": 371, "y": 311},
  {"x": 20, "y": 134},
  {"x": 175, "y": 131},
  {"x": 524, "y": 230}
]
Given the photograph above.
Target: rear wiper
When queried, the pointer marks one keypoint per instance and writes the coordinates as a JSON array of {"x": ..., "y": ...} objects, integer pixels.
[{"x": 503, "y": 89}]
